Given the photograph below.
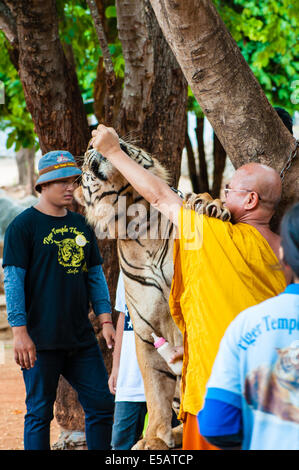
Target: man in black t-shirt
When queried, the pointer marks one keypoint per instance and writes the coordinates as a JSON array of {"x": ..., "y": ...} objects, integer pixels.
[{"x": 52, "y": 269}]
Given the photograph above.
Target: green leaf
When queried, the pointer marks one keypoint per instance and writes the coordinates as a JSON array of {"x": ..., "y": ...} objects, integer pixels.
[
  {"x": 10, "y": 140},
  {"x": 110, "y": 12}
]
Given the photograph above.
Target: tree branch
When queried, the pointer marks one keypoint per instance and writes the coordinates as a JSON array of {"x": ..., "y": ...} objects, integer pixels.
[
  {"x": 7, "y": 24},
  {"x": 109, "y": 69},
  {"x": 102, "y": 40}
]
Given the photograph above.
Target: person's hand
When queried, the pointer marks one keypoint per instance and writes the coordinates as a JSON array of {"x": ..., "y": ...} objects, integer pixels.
[
  {"x": 24, "y": 348},
  {"x": 113, "y": 380},
  {"x": 105, "y": 140},
  {"x": 177, "y": 354},
  {"x": 109, "y": 334}
]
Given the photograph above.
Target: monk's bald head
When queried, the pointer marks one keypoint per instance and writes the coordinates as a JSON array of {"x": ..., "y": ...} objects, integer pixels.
[{"x": 262, "y": 179}]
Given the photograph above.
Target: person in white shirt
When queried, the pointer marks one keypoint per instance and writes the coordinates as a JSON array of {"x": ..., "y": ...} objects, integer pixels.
[
  {"x": 125, "y": 381},
  {"x": 252, "y": 399}
]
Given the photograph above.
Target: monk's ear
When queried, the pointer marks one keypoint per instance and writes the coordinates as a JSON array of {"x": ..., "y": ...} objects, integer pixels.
[
  {"x": 78, "y": 195},
  {"x": 252, "y": 201}
]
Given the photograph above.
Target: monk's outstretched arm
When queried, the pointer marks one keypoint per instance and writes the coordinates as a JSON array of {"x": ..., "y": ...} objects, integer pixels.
[{"x": 151, "y": 187}]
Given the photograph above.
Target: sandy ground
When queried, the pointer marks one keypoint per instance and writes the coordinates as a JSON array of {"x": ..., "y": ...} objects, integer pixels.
[{"x": 12, "y": 401}]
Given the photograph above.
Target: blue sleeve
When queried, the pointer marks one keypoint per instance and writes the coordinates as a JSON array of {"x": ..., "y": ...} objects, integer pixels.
[
  {"x": 218, "y": 418},
  {"x": 14, "y": 278},
  {"x": 98, "y": 290}
]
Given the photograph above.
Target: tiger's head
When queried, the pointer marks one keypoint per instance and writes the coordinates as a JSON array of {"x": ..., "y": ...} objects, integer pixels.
[
  {"x": 286, "y": 370},
  {"x": 107, "y": 195},
  {"x": 69, "y": 253}
]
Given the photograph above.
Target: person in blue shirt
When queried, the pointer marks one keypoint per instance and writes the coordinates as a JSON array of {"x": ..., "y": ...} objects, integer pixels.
[
  {"x": 252, "y": 398},
  {"x": 52, "y": 272}
]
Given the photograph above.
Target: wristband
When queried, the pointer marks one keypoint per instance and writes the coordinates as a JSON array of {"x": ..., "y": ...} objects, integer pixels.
[{"x": 106, "y": 322}]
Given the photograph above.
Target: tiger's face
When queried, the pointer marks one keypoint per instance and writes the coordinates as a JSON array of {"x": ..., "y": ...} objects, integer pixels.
[
  {"x": 106, "y": 194},
  {"x": 69, "y": 253},
  {"x": 287, "y": 369}
]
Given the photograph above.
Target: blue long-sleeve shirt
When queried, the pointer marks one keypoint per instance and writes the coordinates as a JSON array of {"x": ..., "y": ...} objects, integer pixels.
[{"x": 52, "y": 274}]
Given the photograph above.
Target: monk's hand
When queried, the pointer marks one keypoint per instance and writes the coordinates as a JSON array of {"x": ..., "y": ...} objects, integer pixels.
[
  {"x": 178, "y": 353},
  {"x": 105, "y": 140}
]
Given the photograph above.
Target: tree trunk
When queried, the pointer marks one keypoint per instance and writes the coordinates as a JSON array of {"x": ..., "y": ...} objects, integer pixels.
[
  {"x": 100, "y": 96},
  {"x": 49, "y": 81},
  {"x": 25, "y": 159},
  {"x": 53, "y": 98},
  {"x": 21, "y": 161},
  {"x": 203, "y": 170},
  {"x": 225, "y": 87},
  {"x": 191, "y": 163},
  {"x": 155, "y": 94}
]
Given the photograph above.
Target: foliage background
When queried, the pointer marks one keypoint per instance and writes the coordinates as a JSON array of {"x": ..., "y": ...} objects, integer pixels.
[{"x": 265, "y": 30}]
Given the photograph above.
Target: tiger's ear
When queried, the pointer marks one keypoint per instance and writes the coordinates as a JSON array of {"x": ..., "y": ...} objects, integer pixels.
[{"x": 78, "y": 195}]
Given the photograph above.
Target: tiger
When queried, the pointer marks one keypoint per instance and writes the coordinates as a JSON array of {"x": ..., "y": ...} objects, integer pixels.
[
  {"x": 69, "y": 253},
  {"x": 145, "y": 251}
]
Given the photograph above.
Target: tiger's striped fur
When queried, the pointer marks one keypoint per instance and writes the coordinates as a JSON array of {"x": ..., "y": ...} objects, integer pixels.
[{"x": 147, "y": 266}]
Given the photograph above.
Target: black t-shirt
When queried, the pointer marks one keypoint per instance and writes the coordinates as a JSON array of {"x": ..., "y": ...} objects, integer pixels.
[{"x": 56, "y": 253}]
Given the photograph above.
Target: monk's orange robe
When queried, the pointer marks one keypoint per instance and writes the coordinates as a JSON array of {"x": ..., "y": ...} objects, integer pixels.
[{"x": 220, "y": 269}]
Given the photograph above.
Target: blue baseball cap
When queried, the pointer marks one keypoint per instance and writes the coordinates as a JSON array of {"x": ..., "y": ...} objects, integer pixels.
[{"x": 56, "y": 165}]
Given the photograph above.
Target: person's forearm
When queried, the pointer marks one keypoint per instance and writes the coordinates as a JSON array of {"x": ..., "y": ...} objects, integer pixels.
[
  {"x": 19, "y": 330},
  {"x": 14, "y": 278},
  {"x": 24, "y": 348},
  {"x": 118, "y": 340},
  {"x": 105, "y": 318},
  {"x": 152, "y": 188},
  {"x": 99, "y": 292},
  {"x": 148, "y": 185}
]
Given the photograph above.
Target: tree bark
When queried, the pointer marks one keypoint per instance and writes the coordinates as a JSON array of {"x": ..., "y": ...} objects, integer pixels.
[
  {"x": 155, "y": 94},
  {"x": 110, "y": 77},
  {"x": 26, "y": 168},
  {"x": 219, "y": 155},
  {"x": 225, "y": 87},
  {"x": 8, "y": 24},
  {"x": 203, "y": 170},
  {"x": 21, "y": 160},
  {"x": 49, "y": 81},
  {"x": 191, "y": 164}
]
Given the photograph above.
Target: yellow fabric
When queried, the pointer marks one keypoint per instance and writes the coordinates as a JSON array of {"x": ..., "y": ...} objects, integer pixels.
[{"x": 220, "y": 269}]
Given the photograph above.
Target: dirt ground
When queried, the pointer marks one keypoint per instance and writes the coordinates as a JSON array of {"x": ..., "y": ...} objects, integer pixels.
[{"x": 12, "y": 401}]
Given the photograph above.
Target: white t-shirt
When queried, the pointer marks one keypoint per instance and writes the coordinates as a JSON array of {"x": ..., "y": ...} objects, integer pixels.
[{"x": 129, "y": 382}]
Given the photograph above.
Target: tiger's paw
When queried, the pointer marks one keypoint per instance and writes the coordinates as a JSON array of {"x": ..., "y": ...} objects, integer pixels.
[
  {"x": 154, "y": 443},
  {"x": 218, "y": 210},
  {"x": 204, "y": 204}
]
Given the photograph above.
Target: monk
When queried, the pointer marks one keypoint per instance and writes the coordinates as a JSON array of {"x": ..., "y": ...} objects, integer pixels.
[{"x": 220, "y": 268}]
